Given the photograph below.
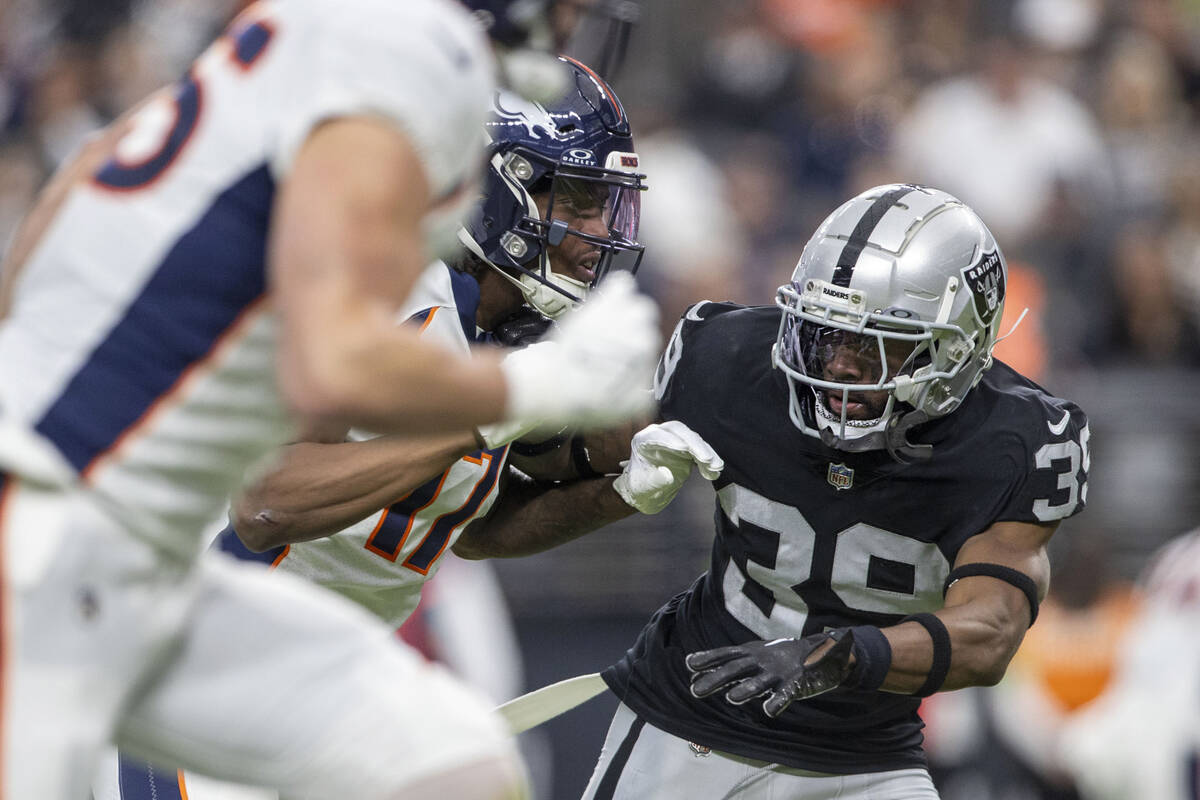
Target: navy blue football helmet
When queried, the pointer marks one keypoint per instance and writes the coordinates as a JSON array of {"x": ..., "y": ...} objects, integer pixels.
[{"x": 574, "y": 153}]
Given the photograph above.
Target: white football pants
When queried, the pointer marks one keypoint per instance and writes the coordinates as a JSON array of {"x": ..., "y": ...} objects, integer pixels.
[
  {"x": 642, "y": 762},
  {"x": 217, "y": 667}
]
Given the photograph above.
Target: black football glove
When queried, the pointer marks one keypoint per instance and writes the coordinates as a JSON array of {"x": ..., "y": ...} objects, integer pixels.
[
  {"x": 525, "y": 326},
  {"x": 776, "y": 669}
]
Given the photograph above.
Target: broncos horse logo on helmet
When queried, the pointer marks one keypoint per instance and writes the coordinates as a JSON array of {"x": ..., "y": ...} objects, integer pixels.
[{"x": 577, "y": 150}]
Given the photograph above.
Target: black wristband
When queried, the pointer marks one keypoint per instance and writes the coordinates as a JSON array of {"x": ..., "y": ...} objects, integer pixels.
[
  {"x": 579, "y": 457},
  {"x": 999, "y": 572},
  {"x": 872, "y": 659},
  {"x": 940, "y": 667}
]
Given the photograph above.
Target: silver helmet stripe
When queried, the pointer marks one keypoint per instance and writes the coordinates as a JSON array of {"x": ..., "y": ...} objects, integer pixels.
[{"x": 862, "y": 232}]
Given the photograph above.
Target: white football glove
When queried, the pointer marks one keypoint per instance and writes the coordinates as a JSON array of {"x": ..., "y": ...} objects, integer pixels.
[
  {"x": 660, "y": 463},
  {"x": 594, "y": 371}
]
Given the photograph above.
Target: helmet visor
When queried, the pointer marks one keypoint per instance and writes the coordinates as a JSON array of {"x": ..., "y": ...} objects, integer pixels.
[
  {"x": 613, "y": 198},
  {"x": 624, "y": 212},
  {"x": 834, "y": 354},
  {"x": 602, "y": 210}
]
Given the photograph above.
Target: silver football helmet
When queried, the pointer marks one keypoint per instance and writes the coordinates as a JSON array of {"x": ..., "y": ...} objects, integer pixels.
[{"x": 890, "y": 318}]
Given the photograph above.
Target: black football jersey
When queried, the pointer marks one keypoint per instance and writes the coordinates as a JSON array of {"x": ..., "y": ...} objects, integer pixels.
[{"x": 810, "y": 538}]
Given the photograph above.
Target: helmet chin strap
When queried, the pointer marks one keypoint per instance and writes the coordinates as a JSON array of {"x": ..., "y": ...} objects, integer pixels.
[
  {"x": 898, "y": 445},
  {"x": 545, "y": 298}
]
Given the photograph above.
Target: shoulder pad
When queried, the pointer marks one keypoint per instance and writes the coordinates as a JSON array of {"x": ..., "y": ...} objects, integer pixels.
[{"x": 693, "y": 318}]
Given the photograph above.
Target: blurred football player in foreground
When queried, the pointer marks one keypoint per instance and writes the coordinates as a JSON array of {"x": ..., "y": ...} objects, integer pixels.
[
  {"x": 371, "y": 517},
  {"x": 222, "y": 262}
]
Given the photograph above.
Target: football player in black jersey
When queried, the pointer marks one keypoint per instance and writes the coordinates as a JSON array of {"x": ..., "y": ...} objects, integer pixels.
[{"x": 886, "y": 498}]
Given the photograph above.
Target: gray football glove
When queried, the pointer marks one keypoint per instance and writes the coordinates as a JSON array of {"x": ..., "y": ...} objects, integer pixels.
[{"x": 783, "y": 670}]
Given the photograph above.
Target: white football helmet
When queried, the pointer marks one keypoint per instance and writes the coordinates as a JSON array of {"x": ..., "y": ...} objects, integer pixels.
[{"x": 913, "y": 281}]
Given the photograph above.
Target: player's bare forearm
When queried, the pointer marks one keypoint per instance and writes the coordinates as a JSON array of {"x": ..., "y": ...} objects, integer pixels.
[
  {"x": 383, "y": 377},
  {"x": 986, "y": 618},
  {"x": 607, "y": 450},
  {"x": 531, "y": 517},
  {"x": 316, "y": 489},
  {"x": 347, "y": 246}
]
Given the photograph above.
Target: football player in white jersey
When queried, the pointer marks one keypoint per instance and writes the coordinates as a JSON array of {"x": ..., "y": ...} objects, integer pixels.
[
  {"x": 224, "y": 261},
  {"x": 372, "y": 517},
  {"x": 559, "y": 213}
]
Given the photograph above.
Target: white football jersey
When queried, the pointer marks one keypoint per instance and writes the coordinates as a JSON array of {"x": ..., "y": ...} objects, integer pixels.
[
  {"x": 382, "y": 561},
  {"x": 141, "y": 342}
]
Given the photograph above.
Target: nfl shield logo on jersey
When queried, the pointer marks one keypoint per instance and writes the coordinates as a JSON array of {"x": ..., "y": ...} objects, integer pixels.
[{"x": 840, "y": 476}]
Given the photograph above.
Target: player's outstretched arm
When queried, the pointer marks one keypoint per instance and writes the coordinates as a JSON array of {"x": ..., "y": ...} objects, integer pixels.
[
  {"x": 552, "y": 497},
  {"x": 995, "y": 586},
  {"x": 346, "y": 248},
  {"x": 316, "y": 489},
  {"x": 533, "y": 516},
  {"x": 1005, "y": 573},
  {"x": 536, "y": 514}
]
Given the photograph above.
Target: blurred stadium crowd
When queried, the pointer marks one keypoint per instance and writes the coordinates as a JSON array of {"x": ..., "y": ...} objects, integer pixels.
[{"x": 1071, "y": 126}]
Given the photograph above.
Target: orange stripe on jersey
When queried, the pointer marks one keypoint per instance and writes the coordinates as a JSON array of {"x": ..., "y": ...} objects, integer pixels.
[
  {"x": 604, "y": 87},
  {"x": 182, "y": 785},
  {"x": 279, "y": 558},
  {"x": 486, "y": 457},
  {"x": 412, "y": 517},
  {"x": 239, "y": 327},
  {"x": 379, "y": 524},
  {"x": 429, "y": 319},
  {"x": 187, "y": 122}
]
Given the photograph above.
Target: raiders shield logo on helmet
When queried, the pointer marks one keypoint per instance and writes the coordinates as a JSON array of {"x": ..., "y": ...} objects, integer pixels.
[{"x": 986, "y": 280}]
